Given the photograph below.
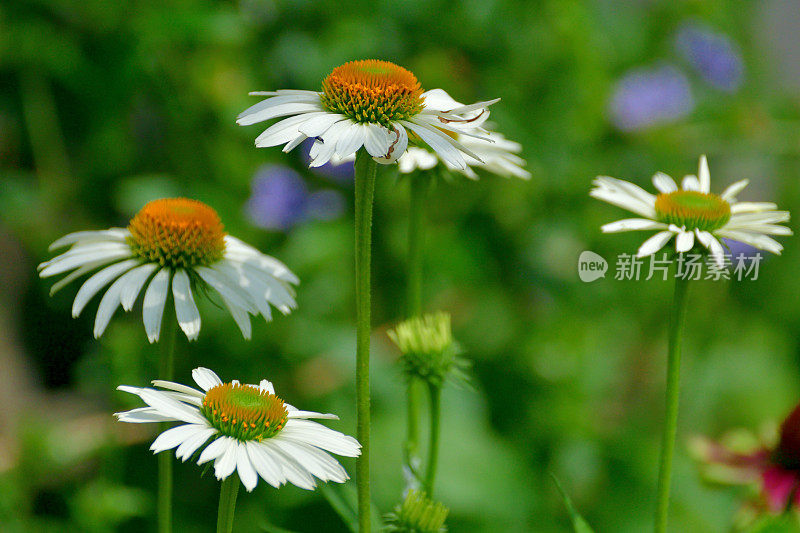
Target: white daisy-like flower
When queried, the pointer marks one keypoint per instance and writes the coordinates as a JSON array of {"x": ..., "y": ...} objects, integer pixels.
[
  {"x": 243, "y": 428},
  {"x": 372, "y": 104},
  {"x": 692, "y": 214},
  {"x": 172, "y": 246}
]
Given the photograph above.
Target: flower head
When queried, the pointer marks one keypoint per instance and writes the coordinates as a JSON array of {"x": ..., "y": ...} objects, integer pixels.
[
  {"x": 243, "y": 428},
  {"x": 173, "y": 246},
  {"x": 741, "y": 458},
  {"x": 692, "y": 214},
  {"x": 418, "y": 514},
  {"x": 372, "y": 104},
  {"x": 428, "y": 349}
]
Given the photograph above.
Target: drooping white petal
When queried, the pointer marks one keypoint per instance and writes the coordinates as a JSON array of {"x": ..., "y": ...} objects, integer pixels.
[
  {"x": 632, "y": 224},
  {"x": 684, "y": 241},
  {"x": 654, "y": 243},
  {"x": 318, "y": 124},
  {"x": 185, "y": 309},
  {"x": 96, "y": 282},
  {"x": 292, "y": 470},
  {"x": 175, "y": 436},
  {"x": 245, "y": 468},
  {"x": 177, "y": 387},
  {"x": 279, "y": 106},
  {"x": 351, "y": 140},
  {"x": 135, "y": 280},
  {"x": 193, "y": 443},
  {"x": 713, "y": 245},
  {"x": 72, "y": 260},
  {"x": 75, "y": 274},
  {"x": 322, "y": 437},
  {"x": 227, "y": 289},
  {"x": 171, "y": 407},
  {"x": 377, "y": 140},
  {"x": 240, "y": 316},
  {"x": 112, "y": 234},
  {"x": 108, "y": 306},
  {"x": 153, "y": 307},
  {"x": 752, "y": 207},
  {"x": 205, "y": 378},
  {"x": 216, "y": 448},
  {"x": 314, "y": 461},
  {"x": 665, "y": 184},
  {"x": 141, "y": 415},
  {"x": 225, "y": 464},
  {"x": 265, "y": 464},
  {"x": 441, "y": 146},
  {"x": 762, "y": 242},
  {"x": 246, "y": 253},
  {"x": 283, "y": 131}
]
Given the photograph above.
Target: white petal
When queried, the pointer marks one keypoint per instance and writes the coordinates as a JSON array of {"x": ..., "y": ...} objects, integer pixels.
[
  {"x": 734, "y": 189},
  {"x": 279, "y": 106},
  {"x": 226, "y": 287},
  {"x": 112, "y": 234},
  {"x": 135, "y": 280},
  {"x": 752, "y": 207},
  {"x": 690, "y": 183},
  {"x": 185, "y": 309},
  {"x": 632, "y": 224},
  {"x": 177, "y": 387},
  {"x": 108, "y": 306},
  {"x": 297, "y": 413},
  {"x": 664, "y": 183},
  {"x": 175, "y": 436},
  {"x": 216, "y": 448},
  {"x": 759, "y": 241},
  {"x": 438, "y": 144},
  {"x": 265, "y": 465},
  {"x": 314, "y": 460},
  {"x": 704, "y": 176},
  {"x": 72, "y": 276},
  {"x": 247, "y": 254},
  {"x": 684, "y": 241},
  {"x": 267, "y": 386},
  {"x": 292, "y": 470},
  {"x": 153, "y": 307},
  {"x": 240, "y": 316},
  {"x": 141, "y": 415},
  {"x": 397, "y": 145},
  {"x": 171, "y": 407},
  {"x": 283, "y": 131},
  {"x": 439, "y": 100},
  {"x": 713, "y": 245},
  {"x": 96, "y": 282},
  {"x": 322, "y": 151},
  {"x": 245, "y": 469},
  {"x": 377, "y": 140},
  {"x": 322, "y": 437},
  {"x": 654, "y": 243},
  {"x": 225, "y": 464},
  {"x": 191, "y": 444},
  {"x": 318, "y": 124},
  {"x": 351, "y": 140},
  {"x": 72, "y": 260},
  {"x": 205, "y": 378}
]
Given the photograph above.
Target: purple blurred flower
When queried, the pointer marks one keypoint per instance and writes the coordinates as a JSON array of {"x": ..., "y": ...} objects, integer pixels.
[
  {"x": 648, "y": 96},
  {"x": 281, "y": 200},
  {"x": 714, "y": 56},
  {"x": 343, "y": 172}
]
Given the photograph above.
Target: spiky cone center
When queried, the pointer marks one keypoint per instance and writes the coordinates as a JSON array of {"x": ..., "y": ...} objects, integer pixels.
[
  {"x": 244, "y": 412},
  {"x": 373, "y": 91},
  {"x": 427, "y": 346},
  {"x": 693, "y": 210},
  {"x": 418, "y": 514},
  {"x": 177, "y": 232}
]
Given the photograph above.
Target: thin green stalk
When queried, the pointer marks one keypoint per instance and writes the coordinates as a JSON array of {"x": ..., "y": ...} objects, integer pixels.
[
  {"x": 416, "y": 238},
  {"x": 673, "y": 393},
  {"x": 435, "y": 396},
  {"x": 366, "y": 169},
  {"x": 166, "y": 371},
  {"x": 228, "y": 491}
]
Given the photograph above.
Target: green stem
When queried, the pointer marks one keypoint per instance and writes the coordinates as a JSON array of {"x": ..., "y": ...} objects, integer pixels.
[
  {"x": 166, "y": 371},
  {"x": 227, "y": 503},
  {"x": 416, "y": 238},
  {"x": 366, "y": 169},
  {"x": 435, "y": 396},
  {"x": 673, "y": 392}
]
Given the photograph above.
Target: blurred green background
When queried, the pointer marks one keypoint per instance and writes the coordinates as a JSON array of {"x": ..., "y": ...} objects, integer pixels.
[{"x": 106, "y": 105}]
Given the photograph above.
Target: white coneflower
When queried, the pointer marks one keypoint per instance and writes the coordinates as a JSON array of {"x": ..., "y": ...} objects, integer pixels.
[
  {"x": 691, "y": 213},
  {"x": 370, "y": 103},
  {"x": 176, "y": 245},
  {"x": 245, "y": 429}
]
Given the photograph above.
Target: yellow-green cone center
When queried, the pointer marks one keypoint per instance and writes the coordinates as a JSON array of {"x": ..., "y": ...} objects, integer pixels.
[
  {"x": 693, "y": 210},
  {"x": 372, "y": 91},
  {"x": 244, "y": 412},
  {"x": 177, "y": 232}
]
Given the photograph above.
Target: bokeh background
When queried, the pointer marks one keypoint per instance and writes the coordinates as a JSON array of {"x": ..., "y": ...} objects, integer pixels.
[{"x": 106, "y": 105}]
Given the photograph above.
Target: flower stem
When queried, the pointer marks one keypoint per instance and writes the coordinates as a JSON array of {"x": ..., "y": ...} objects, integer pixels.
[
  {"x": 673, "y": 392},
  {"x": 366, "y": 169},
  {"x": 166, "y": 372},
  {"x": 228, "y": 491},
  {"x": 435, "y": 396},
  {"x": 416, "y": 238}
]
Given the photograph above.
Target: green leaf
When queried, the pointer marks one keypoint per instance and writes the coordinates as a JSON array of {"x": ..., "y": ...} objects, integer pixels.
[{"x": 578, "y": 523}]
